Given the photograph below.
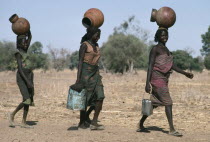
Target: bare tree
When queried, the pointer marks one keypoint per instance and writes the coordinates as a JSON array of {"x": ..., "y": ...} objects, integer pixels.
[{"x": 60, "y": 57}]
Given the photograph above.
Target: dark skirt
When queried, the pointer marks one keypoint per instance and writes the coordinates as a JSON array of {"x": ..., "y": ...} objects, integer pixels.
[
  {"x": 92, "y": 81},
  {"x": 24, "y": 90}
]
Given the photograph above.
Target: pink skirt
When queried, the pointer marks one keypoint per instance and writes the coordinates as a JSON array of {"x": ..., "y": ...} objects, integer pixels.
[{"x": 160, "y": 92}]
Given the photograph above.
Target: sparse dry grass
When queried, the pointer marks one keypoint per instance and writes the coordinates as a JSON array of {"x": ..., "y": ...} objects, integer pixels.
[{"x": 122, "y": 104}]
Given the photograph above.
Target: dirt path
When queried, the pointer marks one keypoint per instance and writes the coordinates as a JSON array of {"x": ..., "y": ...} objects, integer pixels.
[
  {"x": 52, "y": 132},
  {"x": 121, "y": 110}
]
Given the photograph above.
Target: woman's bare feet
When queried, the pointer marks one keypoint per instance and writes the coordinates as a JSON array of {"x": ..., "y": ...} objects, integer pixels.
[
  {"x": 175, "y": 133},
  {"x": 143, "y": 129},
  {"x": 96, "y": 126},
  {"x": 11, "y": 120},
  {"x": 24, "y": 125},
  {"x": 83, "y": 125}
]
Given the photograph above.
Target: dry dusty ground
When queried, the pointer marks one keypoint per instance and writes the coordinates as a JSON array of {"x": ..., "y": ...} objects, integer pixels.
[{"x": 121, "y": 112}]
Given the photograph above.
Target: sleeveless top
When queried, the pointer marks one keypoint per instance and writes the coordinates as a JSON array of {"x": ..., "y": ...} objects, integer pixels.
[
  {"x": 26, "y": 63},
  {"x": 91, "y": 57}
]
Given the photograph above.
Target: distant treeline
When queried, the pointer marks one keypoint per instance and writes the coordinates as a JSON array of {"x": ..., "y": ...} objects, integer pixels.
[
  {"x": 126, "y": 50},
  {"x": 58, "y": 59}
]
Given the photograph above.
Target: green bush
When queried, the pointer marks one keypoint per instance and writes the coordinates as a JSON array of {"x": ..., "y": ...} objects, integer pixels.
[
  {"x": 8, "y": 61},
  {"x": 39, "y": 59},
  {"x": 207, "y": 61},
  {"x": 184, "y": 61},
  {"x": 123, "y": 53},
  {"x": 7, "y": 58},
  {"x": 74, "y": 60}
]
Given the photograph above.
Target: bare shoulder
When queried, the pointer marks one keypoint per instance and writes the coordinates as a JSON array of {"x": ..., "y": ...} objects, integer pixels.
[
  {"x": 83, "y": 46},
  {"x": 158, "y": 49},
  {"x": 154, "y": 49}
]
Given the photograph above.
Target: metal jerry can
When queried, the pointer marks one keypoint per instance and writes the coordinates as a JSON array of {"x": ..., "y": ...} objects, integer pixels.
[
  {"x": 76, "y": 100},
  {"x": 147, "y": 108}
]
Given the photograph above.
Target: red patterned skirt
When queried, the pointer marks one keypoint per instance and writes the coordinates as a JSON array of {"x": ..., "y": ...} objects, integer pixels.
[{"x": 160, "y": 92}]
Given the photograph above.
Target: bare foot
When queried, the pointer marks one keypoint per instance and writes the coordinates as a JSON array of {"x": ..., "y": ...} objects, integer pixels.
[
  {"x": 11, "y": 120},
  {"x": 96, "y": 126},
  {"x": 175, "y": 133},
  {"x": 83, "y": 125},
  {"x": 144, "y": 130},
  {"x": 24, "y": 125}
]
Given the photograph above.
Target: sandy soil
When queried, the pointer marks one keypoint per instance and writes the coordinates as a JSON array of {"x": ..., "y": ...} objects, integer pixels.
[{"x": 121, "y": 111}]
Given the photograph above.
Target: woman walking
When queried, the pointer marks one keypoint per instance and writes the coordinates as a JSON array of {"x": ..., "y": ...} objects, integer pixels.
[
  {"x": 24, "y": 79},
  {"x": 88, "y": 75},
  {"x": 160, "y": 67}
]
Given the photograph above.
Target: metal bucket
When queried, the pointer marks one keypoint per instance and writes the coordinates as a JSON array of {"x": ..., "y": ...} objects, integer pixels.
[
  {"x": 147, "y": 108},
  {"x": 76, "y": 100}
]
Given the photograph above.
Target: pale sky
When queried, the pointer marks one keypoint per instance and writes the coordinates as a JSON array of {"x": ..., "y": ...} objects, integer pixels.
[{"x": 58, "y": 22}]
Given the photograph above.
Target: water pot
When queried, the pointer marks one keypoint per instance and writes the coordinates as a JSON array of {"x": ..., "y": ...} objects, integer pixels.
[
  {"x": 164, "y": 17},
  {"x": 93, "y": 17},
  {"x": 20, "y": 26}
]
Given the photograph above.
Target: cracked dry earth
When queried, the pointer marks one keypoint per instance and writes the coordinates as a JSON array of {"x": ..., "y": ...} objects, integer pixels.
[{"x": 121, "y": 111}]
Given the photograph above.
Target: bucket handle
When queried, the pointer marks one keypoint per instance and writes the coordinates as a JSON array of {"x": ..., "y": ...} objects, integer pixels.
[{"x": 149, "y": 92}]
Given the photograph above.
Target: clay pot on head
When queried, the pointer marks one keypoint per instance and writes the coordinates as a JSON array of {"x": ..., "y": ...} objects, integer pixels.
[
  {"x": 93, "y": 18},
  {"x": 164, "y": 17},
  {"x": 20, "y": 26}
]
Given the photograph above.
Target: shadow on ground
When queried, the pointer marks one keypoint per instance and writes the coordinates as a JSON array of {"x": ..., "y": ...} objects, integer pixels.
[
  {"x": 73, "y": 128},
  {"x": 31, "y": 123},
  {"x": 155, "y": 128}
]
